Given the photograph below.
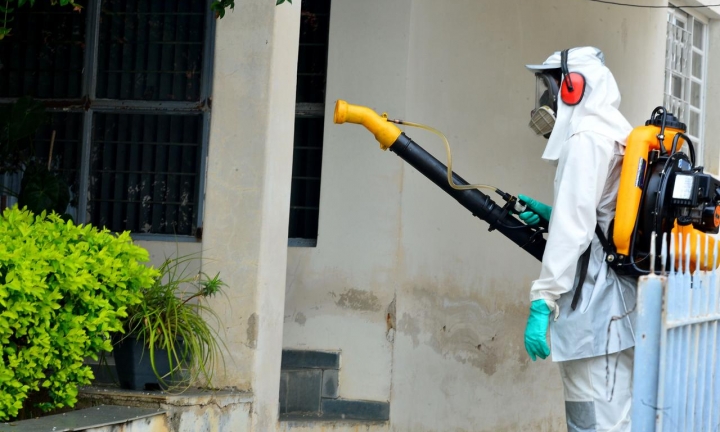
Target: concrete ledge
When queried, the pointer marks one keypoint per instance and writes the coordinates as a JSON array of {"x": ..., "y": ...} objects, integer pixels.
[
  {"x": 86, "y": 419},
  {"x": 153, "y": 399},
  {"x": 192, "y": 410},
  {"x": 333, "y": 426}
]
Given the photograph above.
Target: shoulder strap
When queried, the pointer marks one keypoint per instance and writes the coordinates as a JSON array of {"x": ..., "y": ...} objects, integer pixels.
[
  {"x": 585, "y": 261},
  {"x": 603, "y": 240}
]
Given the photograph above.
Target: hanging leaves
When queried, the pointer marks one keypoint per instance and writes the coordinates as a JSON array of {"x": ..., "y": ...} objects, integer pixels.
[
  {"x": 8, "y": 7},
  {"x": 220, "y": 6}
]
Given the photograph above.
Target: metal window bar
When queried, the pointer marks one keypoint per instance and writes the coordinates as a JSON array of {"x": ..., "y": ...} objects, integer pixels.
[
  {"x": 309, "y": 123},
  {"x": 685, "y": 71},
  {"x": 183, "y": 32},
  {"x": 677, "y": 365},
  {"x": 696, "y": 84},
  {"x": 146, "y": 187},
  {"x": 47, "y": 63},
  {"x": 676, "y": 69}
]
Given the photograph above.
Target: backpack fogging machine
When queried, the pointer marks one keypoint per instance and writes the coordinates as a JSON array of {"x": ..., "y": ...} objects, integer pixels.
[{"x": 662, "y": 192}]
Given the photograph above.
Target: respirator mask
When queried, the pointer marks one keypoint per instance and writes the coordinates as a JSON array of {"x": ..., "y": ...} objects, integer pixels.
[{"x": 542, "y": 117}]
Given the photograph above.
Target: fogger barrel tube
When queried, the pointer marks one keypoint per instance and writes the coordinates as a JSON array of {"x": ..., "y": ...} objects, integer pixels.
[
  {"x": 477, "y": 202},
  {"x": 391, "y": 137}
]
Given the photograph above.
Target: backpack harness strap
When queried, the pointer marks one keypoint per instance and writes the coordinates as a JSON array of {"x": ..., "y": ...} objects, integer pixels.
[{"x": 585, "y": 261}]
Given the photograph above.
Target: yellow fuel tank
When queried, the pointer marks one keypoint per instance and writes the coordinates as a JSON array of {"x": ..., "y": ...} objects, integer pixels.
[{"x": 640, "y": 142}]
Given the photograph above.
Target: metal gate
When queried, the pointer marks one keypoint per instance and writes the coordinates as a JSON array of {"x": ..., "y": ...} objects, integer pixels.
[{"x": 676, "y": 372}]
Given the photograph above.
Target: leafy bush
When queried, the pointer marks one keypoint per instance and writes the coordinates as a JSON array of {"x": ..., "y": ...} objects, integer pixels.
[{"x": 63, "y": 289}]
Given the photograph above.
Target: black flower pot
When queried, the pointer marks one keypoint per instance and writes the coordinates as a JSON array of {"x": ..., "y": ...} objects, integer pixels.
[{"x": 134, "y": 369}]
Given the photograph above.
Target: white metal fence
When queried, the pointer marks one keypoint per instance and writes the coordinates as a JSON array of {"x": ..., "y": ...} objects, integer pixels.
[{"x": 677, "y": 365}]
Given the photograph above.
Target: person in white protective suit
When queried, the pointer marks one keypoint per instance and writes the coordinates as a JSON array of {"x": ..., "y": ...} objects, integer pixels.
[{"x": 577, "y": 295}]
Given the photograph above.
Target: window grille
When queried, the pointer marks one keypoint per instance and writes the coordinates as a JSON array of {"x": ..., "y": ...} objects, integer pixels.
[
  {"x": 143, "y": 172},
  {"x": 309, "y": 122},
  {"x": 43, "y": 56},
  {"x": 686, "y": 58},
  {"x": 128, "y": 85}
]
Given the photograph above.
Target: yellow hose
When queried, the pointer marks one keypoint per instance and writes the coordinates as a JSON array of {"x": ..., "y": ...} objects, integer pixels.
[
  {"x": 387, "y": 133},
  {"x": 449, "y": 156}
]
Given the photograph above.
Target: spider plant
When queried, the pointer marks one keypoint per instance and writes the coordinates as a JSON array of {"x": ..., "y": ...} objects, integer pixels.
[{"x": 172, "y": 316}]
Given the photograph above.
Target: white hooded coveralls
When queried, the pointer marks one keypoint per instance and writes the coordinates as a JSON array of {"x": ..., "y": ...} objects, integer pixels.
[{"x": 587, "y": 143}]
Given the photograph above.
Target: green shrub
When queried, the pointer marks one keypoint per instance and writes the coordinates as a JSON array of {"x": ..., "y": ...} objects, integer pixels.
[{"x": 63, "y": 289}]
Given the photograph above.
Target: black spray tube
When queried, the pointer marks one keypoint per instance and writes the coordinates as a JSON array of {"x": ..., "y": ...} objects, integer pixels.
[{"x": 479, "y": 204}]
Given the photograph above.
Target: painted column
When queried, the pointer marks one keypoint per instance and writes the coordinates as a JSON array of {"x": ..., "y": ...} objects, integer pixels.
[{"x": 248, "y": 192}]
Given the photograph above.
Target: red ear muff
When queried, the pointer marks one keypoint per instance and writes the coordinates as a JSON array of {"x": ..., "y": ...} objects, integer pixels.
[{"x": 572, "y": 88}]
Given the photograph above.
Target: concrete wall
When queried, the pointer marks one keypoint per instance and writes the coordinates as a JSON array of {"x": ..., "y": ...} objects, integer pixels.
[
  {"x": 338, "y": 293},
  {"x": 427, "y": 307}
]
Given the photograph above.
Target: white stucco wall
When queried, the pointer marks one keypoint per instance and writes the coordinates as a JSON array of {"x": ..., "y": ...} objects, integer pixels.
[
  {"x": 350, "y": 277},
  {"x": 450, "y": 354}
]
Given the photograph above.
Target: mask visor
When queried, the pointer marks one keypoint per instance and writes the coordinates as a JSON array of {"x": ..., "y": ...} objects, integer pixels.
[{"x": 545, "y": 91}]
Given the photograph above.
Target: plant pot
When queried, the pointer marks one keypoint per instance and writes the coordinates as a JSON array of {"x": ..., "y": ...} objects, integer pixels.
[{"x": 134, "y": 369}]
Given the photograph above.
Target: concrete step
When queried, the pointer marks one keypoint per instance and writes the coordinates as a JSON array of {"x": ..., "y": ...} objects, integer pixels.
[{"x": 104, "y": 418}]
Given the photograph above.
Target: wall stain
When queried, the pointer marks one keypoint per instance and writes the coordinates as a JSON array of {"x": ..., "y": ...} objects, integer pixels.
[
  {"x": 300, "y": 318},
  {"x": 410, "y": 327},
  {"x": 252, "y": 331},
  {"x": 359, "y": 300},
  {"x": 390, "y": 321},
  {"x": 482, "y": 328}
]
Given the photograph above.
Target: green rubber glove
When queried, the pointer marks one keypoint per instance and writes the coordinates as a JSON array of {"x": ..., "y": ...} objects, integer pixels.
[
  {"x": 536, "y": 330},
  {"x": 537, "y": 210}
]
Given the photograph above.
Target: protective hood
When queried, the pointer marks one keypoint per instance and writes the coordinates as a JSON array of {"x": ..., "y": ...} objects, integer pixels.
[{"x": 597, "y": 112}]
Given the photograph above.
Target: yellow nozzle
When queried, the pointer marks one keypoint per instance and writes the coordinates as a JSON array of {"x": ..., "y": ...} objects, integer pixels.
[{"x": 385, "y": 132}]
